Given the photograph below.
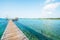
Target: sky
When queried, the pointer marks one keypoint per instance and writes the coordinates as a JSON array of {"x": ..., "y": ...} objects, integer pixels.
[{"x": 30, "y": 8}]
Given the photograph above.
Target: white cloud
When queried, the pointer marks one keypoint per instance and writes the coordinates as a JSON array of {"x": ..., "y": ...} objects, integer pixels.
[
  {"x": 51, "y": 6},
  {"x": 49, "y": 9}
]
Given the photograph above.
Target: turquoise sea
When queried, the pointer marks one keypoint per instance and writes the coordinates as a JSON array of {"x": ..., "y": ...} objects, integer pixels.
[
  {"x": 3, "y": 24},
  {"x": 35, "y": 29}
]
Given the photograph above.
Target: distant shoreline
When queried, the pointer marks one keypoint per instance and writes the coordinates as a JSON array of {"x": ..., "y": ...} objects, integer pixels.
[
  {"x": 42, "y": 18},
  {"x": 38, "y": 18}
]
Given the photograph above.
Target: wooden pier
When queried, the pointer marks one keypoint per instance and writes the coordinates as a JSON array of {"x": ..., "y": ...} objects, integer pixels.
[{"x": 12, "y": 32}]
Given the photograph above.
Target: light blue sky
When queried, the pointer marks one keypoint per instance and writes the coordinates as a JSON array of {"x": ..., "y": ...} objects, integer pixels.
[{"x": 29, "y": 8}]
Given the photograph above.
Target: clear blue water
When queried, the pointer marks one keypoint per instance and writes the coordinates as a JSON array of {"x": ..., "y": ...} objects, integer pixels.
[
  {"x": 31, "y": 33},
  {"x": 3, "y": 24},
  {"x": 49, "y": 28}
]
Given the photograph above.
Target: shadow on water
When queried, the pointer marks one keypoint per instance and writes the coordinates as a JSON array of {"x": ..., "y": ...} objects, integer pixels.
[{"x": 31, "y": 31}]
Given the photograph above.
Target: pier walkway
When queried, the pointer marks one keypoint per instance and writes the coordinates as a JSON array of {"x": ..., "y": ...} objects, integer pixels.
[{"x": 12, "y": 32}]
